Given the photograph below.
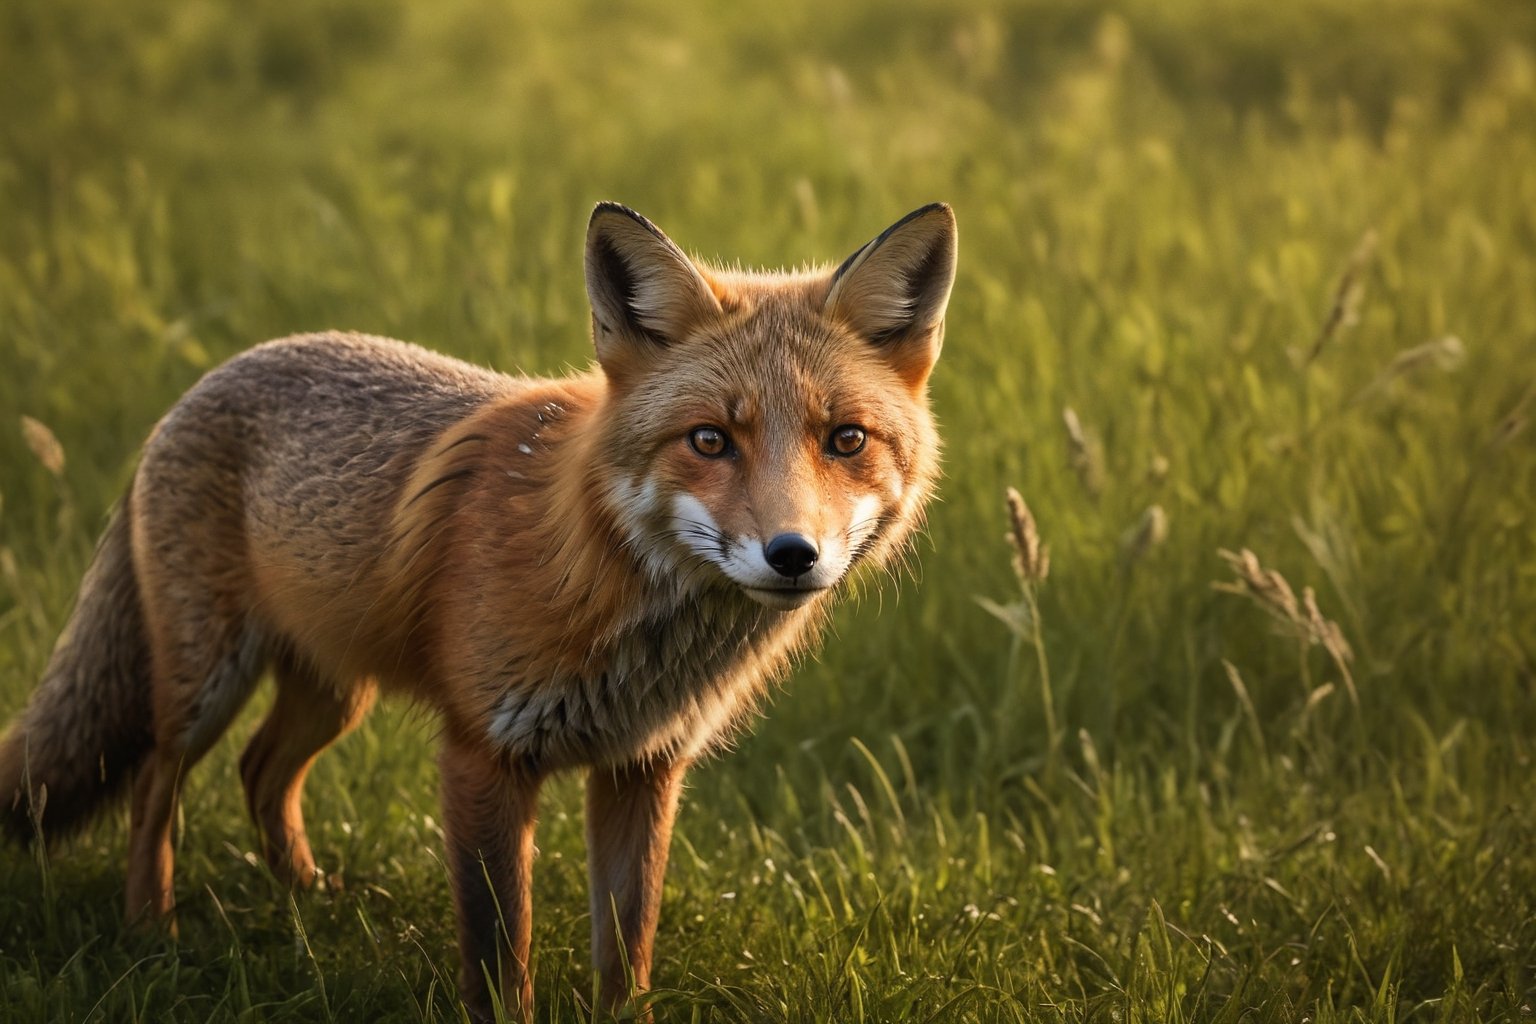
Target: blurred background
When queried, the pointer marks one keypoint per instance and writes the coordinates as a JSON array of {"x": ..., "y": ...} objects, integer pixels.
[{"x": 1233, "y": 276}]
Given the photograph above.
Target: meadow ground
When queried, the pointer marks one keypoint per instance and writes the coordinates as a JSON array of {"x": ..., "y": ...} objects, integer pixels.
[{"x": 1279, "y": 261}]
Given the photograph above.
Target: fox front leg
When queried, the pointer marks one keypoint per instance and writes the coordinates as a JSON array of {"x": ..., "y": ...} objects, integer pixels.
[
  {"x": 488, "y": 818},
  {"x": 630, "y": 811}
]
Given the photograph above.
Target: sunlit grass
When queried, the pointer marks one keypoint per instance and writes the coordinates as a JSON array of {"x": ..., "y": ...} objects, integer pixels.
[{"x": 1268, "y": 272}]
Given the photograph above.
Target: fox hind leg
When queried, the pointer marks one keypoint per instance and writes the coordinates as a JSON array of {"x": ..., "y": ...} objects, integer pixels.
[
  {"x": 150, "y": 857},
  {"x": 308, "y": 714},
  {"x": 200, "y": 683}
]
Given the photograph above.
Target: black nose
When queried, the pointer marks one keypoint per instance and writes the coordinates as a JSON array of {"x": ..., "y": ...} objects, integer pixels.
[{"x": 790, "y": 554}]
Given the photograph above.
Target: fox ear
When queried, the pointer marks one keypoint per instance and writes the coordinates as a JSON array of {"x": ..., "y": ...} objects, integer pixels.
[
  {"x": 894, "y": 290},
  {"x": 644, "y": 290}
]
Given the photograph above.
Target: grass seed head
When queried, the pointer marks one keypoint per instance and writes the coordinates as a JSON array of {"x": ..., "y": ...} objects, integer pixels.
[
  {"x": 1348, "y": 296},
  {"x": 1084, "y": 453},
  {"x": 43, "y": 445},
  {"x": 1031, "y": 559},
  {"x": 1444, "y": 354},
  {"x": 1149, "y": 531},
  {"x": 1325, "y": 631},
  {"x": 1302, "y": 619},
  {"x": 1265, "y": 587}
]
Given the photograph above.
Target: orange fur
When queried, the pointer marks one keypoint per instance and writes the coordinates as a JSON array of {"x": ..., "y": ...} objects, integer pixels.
[{"x": 562, "y": 569}]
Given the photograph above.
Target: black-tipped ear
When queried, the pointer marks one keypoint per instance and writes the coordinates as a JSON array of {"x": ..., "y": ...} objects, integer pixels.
[
  {"x": 644, "y": 290},
  {"x": 894, "y": 290}
]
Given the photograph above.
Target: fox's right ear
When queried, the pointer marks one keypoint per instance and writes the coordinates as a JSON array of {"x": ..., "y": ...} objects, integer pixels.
[
  {"x": 894, "y": 290},
  {"x": 645, "y": 291}
]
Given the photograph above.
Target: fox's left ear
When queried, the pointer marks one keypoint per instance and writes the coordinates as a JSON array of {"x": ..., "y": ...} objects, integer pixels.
[
  {"x": 894, "y": 290},
  {"x": 645, "y": 291}
]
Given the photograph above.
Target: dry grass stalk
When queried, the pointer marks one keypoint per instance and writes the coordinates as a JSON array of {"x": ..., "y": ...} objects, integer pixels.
[
  {"x": 1249, "y": 711},
  {"x": 1445, "y": 354},
  {"x": 1031, "y": 559},
  {"x": 43, "y": 445},
  {"x": 1267, "y": 588},
  {"x": 1083, "y": 452},
  {"x": 1031, "y": 564},
  {"x": 1516, "y": 419},
  {"x": 1315, "y": 698},
  {"x": 1347, "y": 297},
  {"x": 1150, "y": 531},
  {"x": 1302, "y": 619},
  {"x": 1326, "y": 631}
]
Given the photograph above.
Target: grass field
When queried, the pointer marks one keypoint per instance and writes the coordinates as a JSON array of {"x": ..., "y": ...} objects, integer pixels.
[{"x": 1279, "y": 261}]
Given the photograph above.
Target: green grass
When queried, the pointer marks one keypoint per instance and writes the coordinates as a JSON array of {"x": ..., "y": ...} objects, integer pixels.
[{"x": 1158, "y": 205}]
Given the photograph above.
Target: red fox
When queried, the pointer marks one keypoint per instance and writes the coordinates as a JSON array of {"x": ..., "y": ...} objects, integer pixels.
[{"x": 605, "y": 570}]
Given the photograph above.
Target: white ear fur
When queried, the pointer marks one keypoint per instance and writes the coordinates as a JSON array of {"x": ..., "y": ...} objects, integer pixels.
[
  {"x": 644, "y": 290},
  {"x": 899, "y": 284}
]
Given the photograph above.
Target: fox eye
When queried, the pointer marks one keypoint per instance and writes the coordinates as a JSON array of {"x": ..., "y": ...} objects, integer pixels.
[
  {"x": 847, "y": 440},
  {"x": 709, "y": 442}
]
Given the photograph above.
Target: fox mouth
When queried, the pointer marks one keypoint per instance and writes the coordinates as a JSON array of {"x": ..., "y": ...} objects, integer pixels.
[{"x": 783, "y": 598}]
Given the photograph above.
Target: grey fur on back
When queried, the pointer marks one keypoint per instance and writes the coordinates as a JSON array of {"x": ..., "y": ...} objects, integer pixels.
[
  {"x": 304, "y": 417},
  {"x": 320, "y": 434}
]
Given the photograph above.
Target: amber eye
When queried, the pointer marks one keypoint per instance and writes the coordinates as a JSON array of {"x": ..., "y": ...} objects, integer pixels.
[
  {"x": 709, "y": 442},
  {"x": 848, "y": 440}
]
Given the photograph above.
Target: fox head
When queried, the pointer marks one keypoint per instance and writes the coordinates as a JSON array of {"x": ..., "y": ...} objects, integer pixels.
[{"x": 767, "y": 431}]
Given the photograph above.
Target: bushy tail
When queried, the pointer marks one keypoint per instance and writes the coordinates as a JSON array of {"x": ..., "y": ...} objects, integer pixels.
[{"x": 88, "y": 725}]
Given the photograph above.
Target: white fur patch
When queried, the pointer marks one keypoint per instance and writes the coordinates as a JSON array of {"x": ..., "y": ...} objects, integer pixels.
[
  {"x": 634, "y": 498},
  {"x": 518, "y": 717},
  {"x": 637, "y": 503},
  {"x": 748, "y": 564},
  {"x": 696, "y": 528},
  {"x": 634, "y": 501},
  {"x": 863, "y": 521}
]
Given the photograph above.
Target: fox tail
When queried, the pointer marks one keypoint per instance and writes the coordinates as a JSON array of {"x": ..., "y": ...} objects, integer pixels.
[{"x": 89, "y": 723}]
